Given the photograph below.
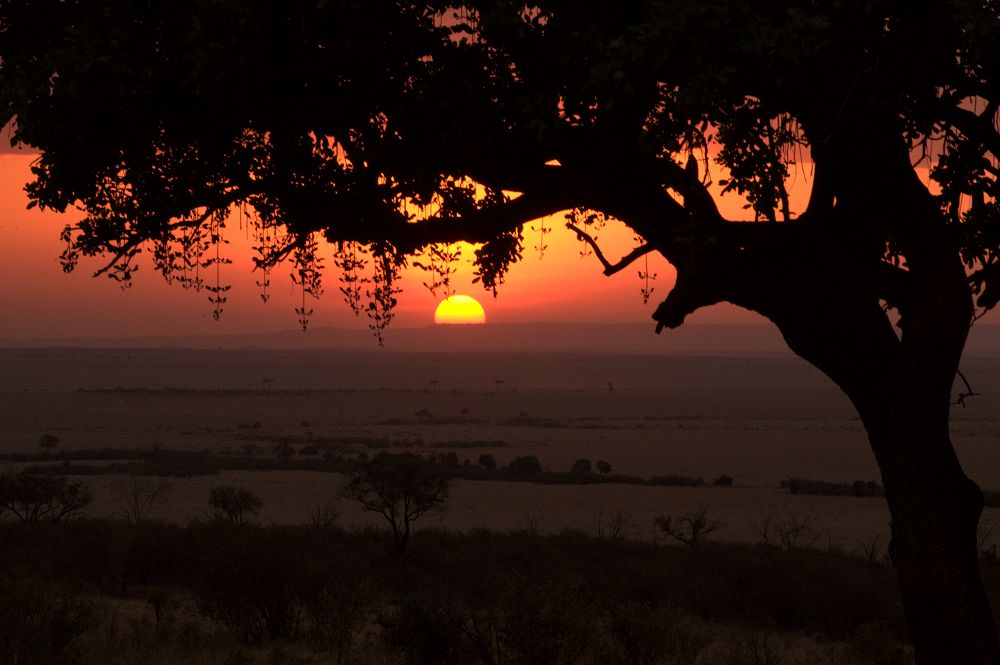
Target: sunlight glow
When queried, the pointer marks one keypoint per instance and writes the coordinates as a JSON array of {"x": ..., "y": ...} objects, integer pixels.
[{"x": 459, "y": 309}]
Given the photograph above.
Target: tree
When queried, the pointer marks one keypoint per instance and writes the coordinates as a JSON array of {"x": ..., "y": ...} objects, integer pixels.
[
  {"x": 234, "y": 504},
  {"x": 34, "y": 498},
  {"x": 690, "y": 528},
  {"x": 47, "y": 442},
  {"x": 526, "y": 465},
  {"x": 603, "y": 467},
  {"x": 389, "y": 128},
  {"x": 488, "y": 462},
  {"x": 581, "y": 467},
  {"x": 402, "y": 488},
  {"x": 138, "y": 499}
]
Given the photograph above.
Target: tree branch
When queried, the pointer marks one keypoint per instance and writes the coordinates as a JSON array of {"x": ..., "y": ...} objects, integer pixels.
[{"x": 610, "y": 268}]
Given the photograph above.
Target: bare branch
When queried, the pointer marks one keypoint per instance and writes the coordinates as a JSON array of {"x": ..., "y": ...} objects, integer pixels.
[{"x": 610, "y": 268}]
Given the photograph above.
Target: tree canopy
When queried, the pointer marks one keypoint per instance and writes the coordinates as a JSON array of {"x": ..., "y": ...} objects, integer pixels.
[
  {"x": 389, "y": 127},
  {"x": 386, "y": 127}
]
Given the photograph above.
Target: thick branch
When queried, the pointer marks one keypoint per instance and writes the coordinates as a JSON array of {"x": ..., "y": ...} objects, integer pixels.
[{"x": 978, "y": 127}]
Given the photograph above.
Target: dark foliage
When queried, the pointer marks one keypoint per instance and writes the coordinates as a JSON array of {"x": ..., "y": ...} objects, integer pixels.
[{"x": 34, "y": 498}]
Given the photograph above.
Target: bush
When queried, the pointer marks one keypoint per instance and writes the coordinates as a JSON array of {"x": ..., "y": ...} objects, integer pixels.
[
  {"x": 487, "y": 462},
  {"x": 723, "y": 481},
  {"x": 859, "y": 488},
  {"x": 603, "y": 467},
  {"x": 253, "y": 586},
  {"x": 525, "y": 466},
  {"x": 675, "y": 480},
  {"x": 39, "y": 624},
  {"x": 582, "y": 467}
]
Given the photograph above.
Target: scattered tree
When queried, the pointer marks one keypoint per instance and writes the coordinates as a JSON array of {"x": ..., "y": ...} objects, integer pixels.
[
  {"x": 402, "y": 488},
  {"x": 723, "y": 481},
  {"x": 527, "y": 465},
  {"x": 690, "y": 528},
  {"x": 47, "y": 442},
  {"x": 234, "y": 504},
  {"x": 603, "y": 467},
  {"x": 418, "y": 134},
  {"x": 34, "y": 498},
  {"x": 487, "y": 461},
  {"x": 581, "y": 467},
  {"x": 137, "y": 499},
  {"x": 283, "y": 450}
]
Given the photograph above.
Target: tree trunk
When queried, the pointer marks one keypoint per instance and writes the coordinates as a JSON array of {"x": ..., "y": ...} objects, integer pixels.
[
  {"x": 935, "y": 511},
  {"x": 902, "y": 389}
]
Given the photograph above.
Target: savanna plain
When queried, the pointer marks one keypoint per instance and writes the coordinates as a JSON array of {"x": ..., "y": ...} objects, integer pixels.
[{"x": 574, "y": 563}]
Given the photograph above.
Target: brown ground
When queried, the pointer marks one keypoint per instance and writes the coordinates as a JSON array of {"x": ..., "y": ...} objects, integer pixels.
[{"x": 758, "y": 420}]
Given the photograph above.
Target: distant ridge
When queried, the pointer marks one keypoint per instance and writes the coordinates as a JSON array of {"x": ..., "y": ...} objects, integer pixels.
[{"x": 631, "y": 338}]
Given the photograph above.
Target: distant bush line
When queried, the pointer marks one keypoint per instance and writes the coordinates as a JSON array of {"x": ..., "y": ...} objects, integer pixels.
[
  {"x": 319, "y": 458},
  {"x": 858, "y": 488},
  {"x": 180, "y": 463}
]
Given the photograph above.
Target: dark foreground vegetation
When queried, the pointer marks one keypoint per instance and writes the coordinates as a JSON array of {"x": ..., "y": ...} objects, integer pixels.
[{"x": 88, "y": 591}]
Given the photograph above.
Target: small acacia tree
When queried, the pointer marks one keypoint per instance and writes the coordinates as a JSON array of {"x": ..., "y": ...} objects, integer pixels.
[
  {"x": 47, "y": 442},
  {"x": 402, "y": 488},
  {"x": 396, "y": 128},
  {"x": 137, "y": 499},
  {"x": 234, "y": 504},
  {"x": 34, "y": 498}
]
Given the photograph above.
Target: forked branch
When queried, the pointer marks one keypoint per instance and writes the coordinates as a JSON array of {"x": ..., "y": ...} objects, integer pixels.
[{"x": 610, "y": 268}]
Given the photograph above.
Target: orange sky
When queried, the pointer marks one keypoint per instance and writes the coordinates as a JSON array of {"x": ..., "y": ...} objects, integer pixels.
[{"x": 41, "y": 301}]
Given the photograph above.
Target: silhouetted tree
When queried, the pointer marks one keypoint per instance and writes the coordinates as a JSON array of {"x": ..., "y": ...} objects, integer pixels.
[
  {"x": 389, "y": 127},
  {"x": 581, "y": 466},
  {"x": 691, "y": 527},
  {"x": 402, "y": 488},
  {"x": 526, "y": 465},
  {"x": 487, "y": 461},
  {"x": 34, "y": 498},
  {"x": 138, "y": 499},
  {"x": 47, "y": 442},
  {"x": 234, "y": 504},
  {"x": 603, "y": 467}
]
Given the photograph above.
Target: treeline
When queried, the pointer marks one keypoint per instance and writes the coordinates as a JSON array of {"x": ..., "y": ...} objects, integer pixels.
[{"x": 164, "y": 462}]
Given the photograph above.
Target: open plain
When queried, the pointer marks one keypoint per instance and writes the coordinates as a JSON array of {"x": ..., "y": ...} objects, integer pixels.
[{"x": 759, "y": 420}]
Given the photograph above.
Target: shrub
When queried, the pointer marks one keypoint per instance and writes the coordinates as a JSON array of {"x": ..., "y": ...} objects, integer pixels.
[
  {"x": 487, "y": 462},
  {"x": 40, "y": 624},
  {"x": 690, "y": 528},
  {"x": 676, "y": 480},
  {"x": 581, "y": 466},
  {"x": 527, "y": 465},
  {"x": 253, "y": 586},
  {"x": 138, "y": 499},
  {"x": 859, "y": 488},
  {"x": 723, "y": 481},
  {"x": 603, "y": 467}
]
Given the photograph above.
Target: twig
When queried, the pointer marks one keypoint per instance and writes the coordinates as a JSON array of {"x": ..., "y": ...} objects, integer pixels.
[{"x": 610, "y": 268}]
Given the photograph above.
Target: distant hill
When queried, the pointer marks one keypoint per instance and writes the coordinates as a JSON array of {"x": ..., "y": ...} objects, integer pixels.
[{"x": 632, "y": 338}]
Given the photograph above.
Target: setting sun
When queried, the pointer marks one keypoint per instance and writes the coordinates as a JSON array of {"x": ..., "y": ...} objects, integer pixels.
[{"x": 459, "y": 309}]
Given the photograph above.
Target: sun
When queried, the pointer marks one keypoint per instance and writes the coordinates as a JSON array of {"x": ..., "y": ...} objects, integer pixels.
[{"x": 459, "y": 309}]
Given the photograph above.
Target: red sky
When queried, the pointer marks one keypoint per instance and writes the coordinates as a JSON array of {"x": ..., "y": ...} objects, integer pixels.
[{"x": 41, "y": 301}]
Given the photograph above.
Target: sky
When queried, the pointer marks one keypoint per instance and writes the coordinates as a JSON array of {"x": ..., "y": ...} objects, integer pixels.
[{"x": 41, "y": 301}]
